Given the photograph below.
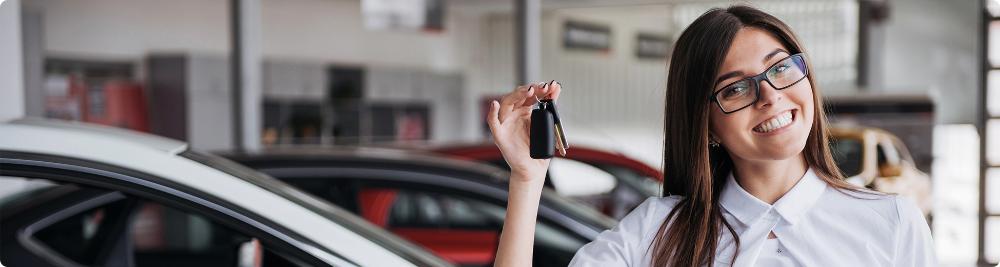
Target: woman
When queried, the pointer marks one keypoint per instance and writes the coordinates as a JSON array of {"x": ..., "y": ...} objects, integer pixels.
[{"x": 749, "y": 176}]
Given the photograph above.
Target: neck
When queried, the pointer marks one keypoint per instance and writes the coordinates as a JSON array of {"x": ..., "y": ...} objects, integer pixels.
[{"x": 768, "y": 180}]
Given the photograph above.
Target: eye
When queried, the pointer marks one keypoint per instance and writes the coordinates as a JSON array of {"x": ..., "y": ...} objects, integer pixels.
[
  {"x": 735, "y": 91},
  {"x": 780, "y": 69}
]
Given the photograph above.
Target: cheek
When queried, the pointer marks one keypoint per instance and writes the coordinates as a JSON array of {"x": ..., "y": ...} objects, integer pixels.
[
  {"x": 803, "y": 97},
  {"x": 727, "y": 126},
  {"x": 803, "y": 94}
]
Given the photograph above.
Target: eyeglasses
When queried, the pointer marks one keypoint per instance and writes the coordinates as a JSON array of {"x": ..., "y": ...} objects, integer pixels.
[{"x": 744, "y": 93}]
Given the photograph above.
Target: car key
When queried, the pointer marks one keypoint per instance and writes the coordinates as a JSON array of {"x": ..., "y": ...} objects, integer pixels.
[
  {"x": 561, "y": 143},
  {"x": 546, "y": 126},
  {"x": 541, "y": 132}
]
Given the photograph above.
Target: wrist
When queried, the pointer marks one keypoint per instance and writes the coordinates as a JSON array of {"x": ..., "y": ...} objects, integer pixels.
[{"x": 527, "y": 181}]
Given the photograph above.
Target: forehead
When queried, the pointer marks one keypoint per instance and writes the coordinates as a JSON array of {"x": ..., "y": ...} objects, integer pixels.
[{"x": 749, "y": 47}]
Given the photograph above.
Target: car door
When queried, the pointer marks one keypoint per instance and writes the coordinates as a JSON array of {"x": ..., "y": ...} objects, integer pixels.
[
  {"x": 75, "y": 225},
  {"x": 458, "y": 225},
  {"x": 79, "y": 216}
]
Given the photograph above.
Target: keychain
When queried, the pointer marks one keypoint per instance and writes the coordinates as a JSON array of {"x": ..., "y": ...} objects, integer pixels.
[{"x": 546, "y": 133}]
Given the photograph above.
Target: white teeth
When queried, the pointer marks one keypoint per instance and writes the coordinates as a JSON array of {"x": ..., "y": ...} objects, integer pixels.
[{"x": 775, "y": 123}]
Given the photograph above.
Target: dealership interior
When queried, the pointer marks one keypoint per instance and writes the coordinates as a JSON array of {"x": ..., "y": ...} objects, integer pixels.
[{"x": 353, "y": 132}]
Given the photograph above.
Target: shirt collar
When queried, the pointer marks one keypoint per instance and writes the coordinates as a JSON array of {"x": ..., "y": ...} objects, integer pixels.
[{"x": 747, "y": 208}]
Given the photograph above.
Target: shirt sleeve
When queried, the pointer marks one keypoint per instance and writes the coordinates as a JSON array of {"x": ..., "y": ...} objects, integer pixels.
[
  {"x": 627, "y": 243},
  {"x": 914, "y": 246}
]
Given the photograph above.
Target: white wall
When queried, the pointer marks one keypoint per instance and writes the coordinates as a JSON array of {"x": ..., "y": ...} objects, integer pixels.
[
  {"x": 11, "y": 67},
  {"x": 129, "y": 29},
  {"x": 334, "y": 31},
  {"x": 604, "y": 95},
  {"x": 931, "y": 46},
  {"x": 310, "y": 30}
]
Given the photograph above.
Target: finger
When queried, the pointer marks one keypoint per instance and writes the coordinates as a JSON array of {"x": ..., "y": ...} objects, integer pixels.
[
  {"x": 493, "y": 118},
  {"x": 553, "y": 91},
  {"x": 523, "y": 111},
  {"x": 519, "y": 113},
  {"x": 545, "y": 88},
  {"x": 533, "y": 98},
  {"x": 511, "y": 100}
]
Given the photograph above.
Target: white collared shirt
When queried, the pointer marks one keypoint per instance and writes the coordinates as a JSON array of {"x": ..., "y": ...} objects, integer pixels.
[{"x": 816, "y": 225}]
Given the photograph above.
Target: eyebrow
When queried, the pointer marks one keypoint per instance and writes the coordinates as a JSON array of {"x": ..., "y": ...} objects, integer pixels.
[{"x": 740, "y": 73}]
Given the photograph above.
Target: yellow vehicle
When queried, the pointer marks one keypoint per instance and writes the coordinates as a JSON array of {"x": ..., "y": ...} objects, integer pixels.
[{"x": 878, "y": 160}]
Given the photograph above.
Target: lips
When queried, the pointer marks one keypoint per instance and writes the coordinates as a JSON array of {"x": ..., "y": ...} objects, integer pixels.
[{"x": 775, "y": 123}]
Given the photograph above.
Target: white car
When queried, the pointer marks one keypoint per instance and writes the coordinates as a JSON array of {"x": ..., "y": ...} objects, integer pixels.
[{"x": 73, "y": 194}]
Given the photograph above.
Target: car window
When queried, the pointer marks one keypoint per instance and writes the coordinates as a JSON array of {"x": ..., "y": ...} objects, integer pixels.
[
  {"x": 165, "y": 236},
  {"x": 14, "y": 189},
  {"x": 121, "y": 229},
  {"x": 904, "y": 153},
  {"x": 416, "y": 209},
  {"x": 848, "y": 154},
  {"x": 333, "y": 213},
  {"x": 423, "y": 209},
  {"x": 81, "y": 238},
  {"x": 891, "y": 154},
  {"x": 887, "y": 154}
]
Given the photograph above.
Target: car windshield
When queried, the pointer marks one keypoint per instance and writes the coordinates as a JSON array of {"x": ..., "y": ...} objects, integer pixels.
[
  {"x": 333, "y": 213},
  {"x": 847, "y": 153}
]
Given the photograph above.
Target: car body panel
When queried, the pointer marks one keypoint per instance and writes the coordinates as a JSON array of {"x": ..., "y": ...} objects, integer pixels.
[
  {"x": 160, "y": 157},
  {"x": 490, "y": 152},
  {"x": 625, "y": 194},
  {"x": 382, "y": 179}
]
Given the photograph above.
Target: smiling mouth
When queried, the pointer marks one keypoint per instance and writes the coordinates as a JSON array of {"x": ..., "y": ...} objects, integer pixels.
[{"x": 776, "y": 123}]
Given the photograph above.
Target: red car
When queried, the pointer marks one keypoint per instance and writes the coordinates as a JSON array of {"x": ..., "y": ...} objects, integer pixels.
[{"x": 634, "y": 181}]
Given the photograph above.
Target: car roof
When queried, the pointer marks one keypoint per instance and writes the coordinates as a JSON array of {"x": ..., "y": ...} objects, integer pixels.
[
  {"x": 71, "y": 128},
  {"x": 583, "y": 153},
  {"x": 162, "y": 157},
  {"x": 373, "y": 156}
]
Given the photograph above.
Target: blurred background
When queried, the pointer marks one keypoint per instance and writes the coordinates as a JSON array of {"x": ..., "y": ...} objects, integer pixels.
[{"x": 913, "y": 86}]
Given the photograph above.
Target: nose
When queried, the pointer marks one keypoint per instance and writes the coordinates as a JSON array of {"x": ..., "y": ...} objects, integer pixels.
[{"x": 768, "y": 95}]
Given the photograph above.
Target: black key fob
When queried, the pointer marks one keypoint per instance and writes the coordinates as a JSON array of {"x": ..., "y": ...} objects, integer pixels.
[{"x": 542, "y": 137}]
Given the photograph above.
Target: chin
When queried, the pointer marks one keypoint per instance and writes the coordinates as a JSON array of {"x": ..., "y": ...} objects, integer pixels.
[
  {"x": 782, "y": 154},
  {"x": 787, "y": 150}
]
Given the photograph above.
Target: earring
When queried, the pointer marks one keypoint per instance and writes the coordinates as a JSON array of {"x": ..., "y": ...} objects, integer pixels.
[{"x": 712, "y": 142}]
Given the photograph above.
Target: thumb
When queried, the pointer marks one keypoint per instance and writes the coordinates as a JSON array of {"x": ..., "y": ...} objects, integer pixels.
[{"x": 493, "y": 117}]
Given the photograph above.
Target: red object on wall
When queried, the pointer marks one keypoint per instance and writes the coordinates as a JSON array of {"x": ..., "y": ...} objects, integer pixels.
[{"x": 117, "y": 103}]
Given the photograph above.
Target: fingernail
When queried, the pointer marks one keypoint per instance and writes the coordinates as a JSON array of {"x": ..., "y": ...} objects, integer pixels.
[
  {"x": 552, "y": 81},
  {"x": 495, "y": 103}
]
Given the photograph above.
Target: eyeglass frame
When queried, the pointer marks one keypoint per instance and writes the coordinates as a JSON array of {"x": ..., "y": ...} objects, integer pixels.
[{"x": 756, "y": 81}]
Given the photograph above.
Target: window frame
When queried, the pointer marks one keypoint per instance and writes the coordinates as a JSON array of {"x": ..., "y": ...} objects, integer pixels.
[{"x": 280, "y": 240}]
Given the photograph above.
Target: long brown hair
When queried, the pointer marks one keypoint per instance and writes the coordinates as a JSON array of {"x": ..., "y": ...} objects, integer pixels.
[{"x": 691, "y": 168}]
